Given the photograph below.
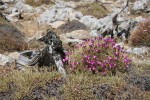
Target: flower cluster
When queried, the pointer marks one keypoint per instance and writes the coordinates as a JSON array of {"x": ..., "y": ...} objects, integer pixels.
[{"x": 97, "y": 55}]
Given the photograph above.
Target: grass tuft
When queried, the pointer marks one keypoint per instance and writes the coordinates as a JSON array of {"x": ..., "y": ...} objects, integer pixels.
[
  {"x": 24, "y": 81},
  {"x": 38, "y": 2},
  {"x": 141, "y": 35},
  {"x": 94, "y": 9}
]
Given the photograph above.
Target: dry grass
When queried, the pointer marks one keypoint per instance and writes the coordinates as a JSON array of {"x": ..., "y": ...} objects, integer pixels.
[
  {"x": 2, "y": 20},
  {"x": 38, "y": 2},
  {"x": 10, "y": 43},
  {"x": 11, "y": 38},
  {"x": 94, "y": 9},
  {"x": 141, "y": 35},
  {"x": 22, "y": 82},
  {"x": 82, "y": 87},
  {"x": 73, "y": 0},
  {"x": 141, "y": 69}
]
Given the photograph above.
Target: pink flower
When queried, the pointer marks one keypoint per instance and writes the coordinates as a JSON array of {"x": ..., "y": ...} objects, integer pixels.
[
  {"x": 77, "y": 63},
  {"x": 99, "y": 38},
  {"x": 93, "y": 68},
  {"x": 85, "y": 56},
  {"x": 70, "y": 69},
  {"x": 127, "y": 61},
  {"x": 65, "y": 60},
  {"x": 116, "y": 53},
  {"x": 109, "y": 58},
  {"x": 115, "y": 58},
  {"x": 94, "y": 57},
  {"x": 103, "y": 73},
  {"x": 97, "y": 50},
  {"x": 99, "y": 63},
  {"x": 91, "y": 44},
  {"x": 144, "y": 30}
]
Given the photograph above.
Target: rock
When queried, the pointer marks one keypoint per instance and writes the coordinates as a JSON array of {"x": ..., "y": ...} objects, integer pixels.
[
  {"x": 1, "y": 2},
  {"x": 90, "y": 21},
  {"x": 139, "y": 18},
  {"x": 58, "y": 13},
  {"x": 14, "y": 55},
  {"x": 124, "y": 29},
  {"x": 101, "y": 24},
  {"x": 8, "y": 1},
  {"x": 72, "y": 26},
  {"x": 3, "y": 5},
  {"x": 74, "y": 37},
  {"x": 138, "y": 51},
  {"x": 95, "y": 33},
  {"x": 77, "y": 34},
  {"x": 88, "y": 1},
  {"x": 140, "y": 5},
  {"x": 147, "y": 10},
  {"x": 56, "y": 24},
  {"x": 4, "y": 60},
  {"x": 21, "y": 6}
]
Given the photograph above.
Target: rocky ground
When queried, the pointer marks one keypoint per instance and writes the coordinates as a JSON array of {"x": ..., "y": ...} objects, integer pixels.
[{"x": 23, "y": 22}]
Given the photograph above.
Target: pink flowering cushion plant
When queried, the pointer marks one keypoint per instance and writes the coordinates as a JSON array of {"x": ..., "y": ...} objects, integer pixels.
[{"x": 98, "y": 55}]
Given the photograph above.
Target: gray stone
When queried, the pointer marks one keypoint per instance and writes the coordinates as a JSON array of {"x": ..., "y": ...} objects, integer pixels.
[
  {"x": 5, "y": 60},
  {"x": 8, "y": 1},
  {"x": 138, "y": 50},
  {"x": 59, "y": 13},
  {"x": 95, "y": 33},
  {"x": 140, "y": 5},
  {"x": 21, "y": 6}
]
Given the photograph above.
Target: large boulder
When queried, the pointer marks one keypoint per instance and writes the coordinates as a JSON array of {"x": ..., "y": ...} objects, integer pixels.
[
  {"x": 59, "y": 13},
  {"x": 141, "y": 5}
]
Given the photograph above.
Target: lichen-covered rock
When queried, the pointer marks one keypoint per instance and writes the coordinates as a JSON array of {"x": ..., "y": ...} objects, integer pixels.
[
  {"x": 138, "y": 50},
  {"x": 5, "y": 60},
  {"x": 59, "y": 13},
  {"x": 141, "y": 5}
]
